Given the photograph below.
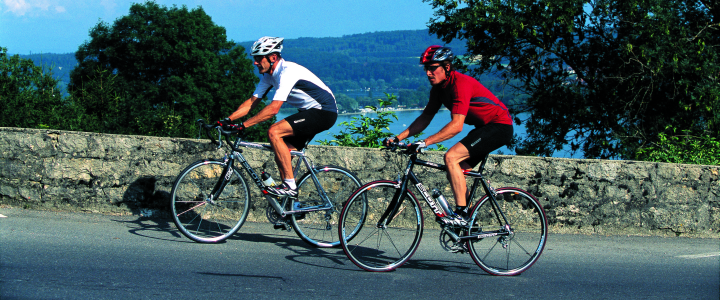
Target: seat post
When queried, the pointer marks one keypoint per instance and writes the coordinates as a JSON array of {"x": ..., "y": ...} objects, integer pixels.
[{"x": 482, "y": 164}]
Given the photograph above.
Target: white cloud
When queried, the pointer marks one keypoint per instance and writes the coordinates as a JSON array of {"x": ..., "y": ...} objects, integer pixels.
[
  {"x": 17, "y": 7},
  {"x": 33, "y": 7}
]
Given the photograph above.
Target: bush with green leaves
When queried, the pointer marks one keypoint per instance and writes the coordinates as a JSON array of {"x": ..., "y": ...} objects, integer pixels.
[
  {"x": 682, "y": 149},
  {"x": 364, "y": 131},
  {"x": 368, "y": 132}
]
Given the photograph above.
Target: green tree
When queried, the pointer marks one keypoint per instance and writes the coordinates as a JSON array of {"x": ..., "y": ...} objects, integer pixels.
[
  {"x": 30, "y": 96},
  {"x": 415, "y": 98},
  {"x": 101, "y": 103},
  {"x": 345, "y": 102},
  {"x": 158, "y": 69},
  {"x": 605, "y": 77}
]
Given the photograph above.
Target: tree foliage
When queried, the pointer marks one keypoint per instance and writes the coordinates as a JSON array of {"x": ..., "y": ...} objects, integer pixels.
[
  {"x": 606, "y": 77},
  {"x": 30, "y": 96},
  {"x": 158, "y": 69}
]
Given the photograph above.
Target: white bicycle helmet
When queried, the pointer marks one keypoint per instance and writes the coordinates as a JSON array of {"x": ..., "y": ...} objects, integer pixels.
[{"x": 266, "y": 45}]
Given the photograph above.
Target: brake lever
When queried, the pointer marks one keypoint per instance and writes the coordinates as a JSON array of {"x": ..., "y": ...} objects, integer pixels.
[{"x": 395, "y": 146}]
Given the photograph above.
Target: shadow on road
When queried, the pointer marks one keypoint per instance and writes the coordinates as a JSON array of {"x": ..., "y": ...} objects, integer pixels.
[
  {"x": 154, "y": 228},
  {"x": 303, "y": 253}
]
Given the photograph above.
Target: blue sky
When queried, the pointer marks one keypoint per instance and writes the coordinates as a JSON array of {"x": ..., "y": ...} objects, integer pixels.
[{"x": 61, "y": 26}]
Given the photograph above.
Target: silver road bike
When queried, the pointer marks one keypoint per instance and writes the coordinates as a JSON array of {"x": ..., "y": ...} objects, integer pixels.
[{"x": 210, "y": 199}]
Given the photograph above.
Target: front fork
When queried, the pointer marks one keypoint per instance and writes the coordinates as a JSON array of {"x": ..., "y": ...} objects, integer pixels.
[
  {"x": 394, "y": 205},
  {"x": 222, "y": 183}
]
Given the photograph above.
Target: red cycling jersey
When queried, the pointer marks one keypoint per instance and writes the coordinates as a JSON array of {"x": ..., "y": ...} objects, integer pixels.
[{"x": 464, "y": 95}]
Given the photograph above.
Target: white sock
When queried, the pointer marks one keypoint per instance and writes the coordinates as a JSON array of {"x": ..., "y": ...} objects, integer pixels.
[{"x": 290, "y": 183}]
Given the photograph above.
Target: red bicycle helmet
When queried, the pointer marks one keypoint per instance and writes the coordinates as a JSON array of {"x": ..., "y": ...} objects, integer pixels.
[{"x": 436, "y": 53}]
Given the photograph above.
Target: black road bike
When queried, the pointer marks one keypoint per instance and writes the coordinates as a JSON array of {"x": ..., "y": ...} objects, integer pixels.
[
  {"x": 381, "y": 224},
  {"x": 210, "y": 199}
]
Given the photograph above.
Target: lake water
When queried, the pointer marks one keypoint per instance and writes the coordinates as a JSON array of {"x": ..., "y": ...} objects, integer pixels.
[{"x": 406, "y": 117}]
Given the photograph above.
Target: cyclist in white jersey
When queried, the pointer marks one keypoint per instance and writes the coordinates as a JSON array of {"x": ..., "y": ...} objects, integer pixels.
[{"x": 300, "y": 88}]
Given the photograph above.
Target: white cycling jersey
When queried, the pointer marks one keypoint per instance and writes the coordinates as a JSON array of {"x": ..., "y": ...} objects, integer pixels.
[{"x": 298, "y": 86}]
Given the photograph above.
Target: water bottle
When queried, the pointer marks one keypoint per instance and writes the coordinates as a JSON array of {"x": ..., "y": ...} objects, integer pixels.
[
  {"x": 443, "y": 202},
  {"x": 267, "y": 179}
]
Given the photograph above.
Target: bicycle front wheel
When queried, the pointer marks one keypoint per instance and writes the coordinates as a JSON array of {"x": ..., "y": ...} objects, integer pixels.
[
  {"x": 380, "y": 245},
  {"x": 201, "y": 218},
  {"x": 319, "y": 228},
  {"x": 519, "y": 243}
]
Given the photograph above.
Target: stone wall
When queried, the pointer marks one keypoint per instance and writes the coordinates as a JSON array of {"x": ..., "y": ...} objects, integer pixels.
[{"x": 120, "y": 174}]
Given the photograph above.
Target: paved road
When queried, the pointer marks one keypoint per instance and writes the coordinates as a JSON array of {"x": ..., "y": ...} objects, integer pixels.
[{"x": 47, "y": 255}]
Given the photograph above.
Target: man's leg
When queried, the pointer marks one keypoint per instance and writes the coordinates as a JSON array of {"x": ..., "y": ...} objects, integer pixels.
[
  {"x": 454, "y": 160},
  {"x": 283, "y": 159},
  {"x": 284, "y": 136}
]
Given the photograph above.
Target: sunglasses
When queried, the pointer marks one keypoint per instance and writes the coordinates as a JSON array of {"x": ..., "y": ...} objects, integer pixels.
[
  {"x": 258, "y": 58},
  {"x": 431, "y": 68}
]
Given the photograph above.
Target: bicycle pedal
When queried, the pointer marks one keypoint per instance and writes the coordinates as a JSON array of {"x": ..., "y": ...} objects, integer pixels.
[
  {"x": 282, "y": 225},
  {"x": 459, "y": 250},
  {"x": 278, "y": 226}
]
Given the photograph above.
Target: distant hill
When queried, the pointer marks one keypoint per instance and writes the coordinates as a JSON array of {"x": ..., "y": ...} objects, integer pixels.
[{"x": 343, "y": 62}]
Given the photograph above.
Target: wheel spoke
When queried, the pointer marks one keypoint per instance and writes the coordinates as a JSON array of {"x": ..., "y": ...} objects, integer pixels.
[{"x": 192, "y": 208}]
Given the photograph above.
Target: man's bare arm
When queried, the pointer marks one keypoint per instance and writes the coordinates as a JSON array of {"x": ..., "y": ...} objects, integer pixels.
[
  {"x": 450, "y": 130},
  {"x": 265, "y": 114}
]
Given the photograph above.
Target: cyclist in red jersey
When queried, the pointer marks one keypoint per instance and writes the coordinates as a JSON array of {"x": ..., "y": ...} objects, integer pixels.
[{"x": 469, "y": 103}]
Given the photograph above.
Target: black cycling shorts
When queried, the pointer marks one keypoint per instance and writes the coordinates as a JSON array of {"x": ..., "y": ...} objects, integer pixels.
[
  {"x": 307, "y": 123},
  {"x": 483, "y": 140}
]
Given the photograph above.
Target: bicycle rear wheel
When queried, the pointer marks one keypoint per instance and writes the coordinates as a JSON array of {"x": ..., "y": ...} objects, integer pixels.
[
  {"x": 200, "y": 218},
  {"x": 319, "y": 228},
  {"x": 516, "y": 249},
  {"x": 376, "y": 247}
]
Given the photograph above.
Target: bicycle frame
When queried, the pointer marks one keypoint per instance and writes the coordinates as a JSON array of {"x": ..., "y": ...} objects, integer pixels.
[
  {"x": 236, "y": 155},
  {"x": 409, "y": 176}
]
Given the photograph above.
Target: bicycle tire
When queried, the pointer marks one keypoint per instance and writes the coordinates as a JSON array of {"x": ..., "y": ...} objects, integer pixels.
[
  {"x": 512, "y": 254},
  {"x": 206, "y": 221},
  {"x": 373, "y": 247},
  {"x": 318, "y": 228}
]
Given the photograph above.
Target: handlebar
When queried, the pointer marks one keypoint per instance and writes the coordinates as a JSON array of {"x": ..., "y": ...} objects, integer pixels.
[
  {"x": 222, "y": 132},
  {"x": 402, "y": 146}
]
